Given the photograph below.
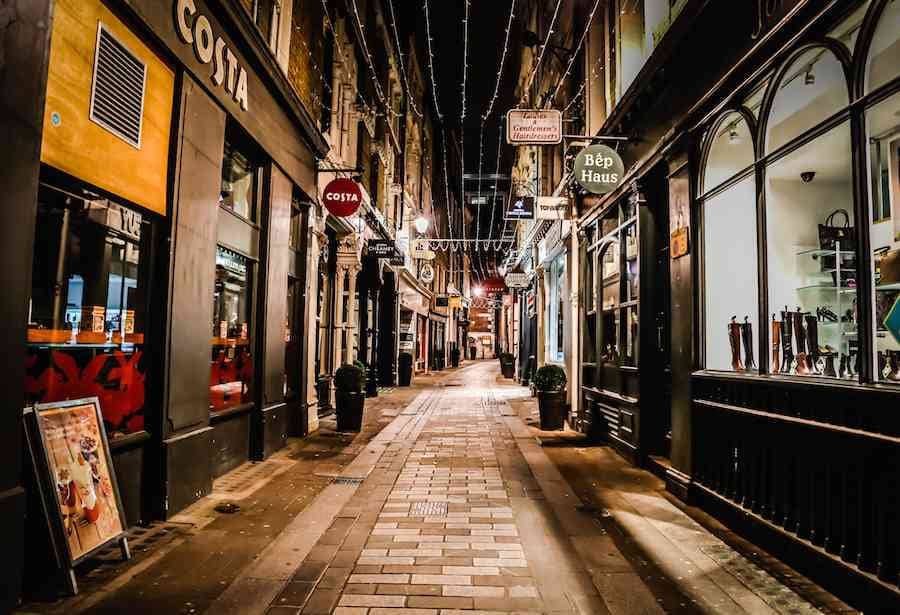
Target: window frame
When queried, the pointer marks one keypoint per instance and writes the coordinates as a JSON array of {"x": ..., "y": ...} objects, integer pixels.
[{"x": 855, "y": 65}]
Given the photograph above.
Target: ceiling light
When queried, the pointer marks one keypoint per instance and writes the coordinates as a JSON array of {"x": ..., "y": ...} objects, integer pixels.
[
  {"x": 733, "y": 137},
  {"x": 809, "y": 78},
  {"x": 422, "y": 223}
]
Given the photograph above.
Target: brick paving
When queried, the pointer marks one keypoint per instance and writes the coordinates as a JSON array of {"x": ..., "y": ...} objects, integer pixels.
[{"x": 432, "y": 530}]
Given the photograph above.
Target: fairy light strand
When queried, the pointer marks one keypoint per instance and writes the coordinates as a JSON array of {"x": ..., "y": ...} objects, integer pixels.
[
  {"x": 368, "y": 56},
  {"x": 462, "y": 124},
  {"x": 434, "y": 93},
  {"x": 490, "y": 107},
  {"x": 540, "y": 58},
  {"x": 409, "y": 96},
  {"x": 574, "y": 55}
]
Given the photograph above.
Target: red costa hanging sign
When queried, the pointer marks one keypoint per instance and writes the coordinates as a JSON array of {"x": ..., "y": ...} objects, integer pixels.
[{"x": 342, "y": 197}]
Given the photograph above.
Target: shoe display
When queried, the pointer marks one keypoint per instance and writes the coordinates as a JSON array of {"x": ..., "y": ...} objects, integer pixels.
[
  {"x": 747, "y": 337},
  {"x": 800, "y": 336},
  {"x": 776, "y": 345},
  {"x": 812, "y": 335},
  {"x": 787, "y": 348},
  {"x": 734, "y": 337}
]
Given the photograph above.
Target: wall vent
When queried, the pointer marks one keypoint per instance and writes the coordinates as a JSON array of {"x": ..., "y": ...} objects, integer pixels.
[{"x": 117, "y": 93}]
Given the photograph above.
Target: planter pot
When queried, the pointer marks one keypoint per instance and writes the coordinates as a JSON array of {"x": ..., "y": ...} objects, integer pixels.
[
  {"x": 349, "y": 411},
  {"x": 454, "y": 360},
  {"x": 405, "y": 370},
  {"x": 508, "y": 370},
  {"x": 552, "y": 407}
]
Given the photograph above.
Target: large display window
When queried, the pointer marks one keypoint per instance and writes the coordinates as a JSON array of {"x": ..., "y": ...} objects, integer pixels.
[
  {"x": 231, "y": 368},
  {"x": 831, "y": 260},
  {"x": 88, "y": 307}
]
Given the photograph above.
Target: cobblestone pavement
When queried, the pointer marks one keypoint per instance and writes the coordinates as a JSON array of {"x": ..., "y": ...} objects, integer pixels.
[{"x": 446, "y": 523}]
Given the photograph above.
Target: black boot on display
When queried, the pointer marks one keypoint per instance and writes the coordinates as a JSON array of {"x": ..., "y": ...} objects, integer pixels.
[
  {"x": 734, "y": 338},
  {"x": 747, "y": 336},
  {"x": 812, "y": 335},
  {"x": 829, "y": 365},
  {"x": 787, "y": 348},
  {"x": 843, "y": 369},
  {"x": 800, "y": 336}
]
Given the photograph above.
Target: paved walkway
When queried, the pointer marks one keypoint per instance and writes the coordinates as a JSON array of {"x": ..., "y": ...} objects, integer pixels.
[{"x": 450, "y": 520}]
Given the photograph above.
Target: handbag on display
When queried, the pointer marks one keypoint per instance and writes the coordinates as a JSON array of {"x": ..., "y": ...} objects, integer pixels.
[
  {"x": 889, "y": 266},
  {"x": 830, "y": 234}
]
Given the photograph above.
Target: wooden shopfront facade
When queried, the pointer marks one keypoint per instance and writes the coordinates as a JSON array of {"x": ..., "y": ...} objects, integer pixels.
[
  {"x": 165, "y": 224},
  {"x": 774, "y": 360}
]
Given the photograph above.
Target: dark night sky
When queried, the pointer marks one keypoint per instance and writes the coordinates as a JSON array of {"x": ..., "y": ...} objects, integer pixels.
[{"x": 487, "y": 24}]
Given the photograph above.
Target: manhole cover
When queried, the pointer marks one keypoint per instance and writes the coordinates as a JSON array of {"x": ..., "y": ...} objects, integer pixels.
[
  {"x": 227, "y": 508},
  {"x": 428, "y": 509}
]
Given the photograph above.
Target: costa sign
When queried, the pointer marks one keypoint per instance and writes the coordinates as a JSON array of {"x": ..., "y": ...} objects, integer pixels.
[
  {"x": 342, "y": 197},
  {"x": 195, "y": 29}
]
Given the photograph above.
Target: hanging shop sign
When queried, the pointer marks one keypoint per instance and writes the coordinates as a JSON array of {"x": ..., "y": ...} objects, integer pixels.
[
  {"x": 679, "y": 215},
  {"x": 194, "y": 28},
  {"x": 426, "y": 273},
  {"x": 381, "y": 248},
  {"x": 494, "y": 285},
  {"x": 420, "y": 249},
  {"x": 552, "y": 208},
  {"x": 342, "y": 197},
  {"x": 76, "y": 479},
  {"x": 516, "y": 279},
  {"x": 442, "y": 301},
  {"x": 454, "y": 302},
  {"x": 520, "y": 208},
  {"x": 599, "y": 169},
  {"x": 534, "y": 127}
]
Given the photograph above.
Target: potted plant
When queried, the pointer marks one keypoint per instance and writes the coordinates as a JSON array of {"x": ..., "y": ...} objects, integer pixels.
[
  {"x": 405, "y": 368},
  {"x": 550, "y": 383},
  {"x": 507, "y": 365},
  {"x": 349, "y": 397},
  {"x": 454, "y": 356}
]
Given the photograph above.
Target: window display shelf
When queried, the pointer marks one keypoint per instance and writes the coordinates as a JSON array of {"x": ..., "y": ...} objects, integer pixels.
[
  {"x": 827, "y": 288},
  {"x": 816, "y": 252}
]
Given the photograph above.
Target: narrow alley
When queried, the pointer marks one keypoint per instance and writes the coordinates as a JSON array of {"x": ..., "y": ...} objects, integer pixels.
[{"x": 456, "y": 506}]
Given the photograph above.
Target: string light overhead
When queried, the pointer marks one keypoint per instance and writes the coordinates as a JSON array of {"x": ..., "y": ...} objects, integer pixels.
[
  {"x": 409, "y": 96},
  {"x": 368, "y": 57},
  {"x": 540, "y": 58},
  {"x": 462, "y": 123},
  {"x": 574, "y": 55},
  {"x": 434, "y": 93}
]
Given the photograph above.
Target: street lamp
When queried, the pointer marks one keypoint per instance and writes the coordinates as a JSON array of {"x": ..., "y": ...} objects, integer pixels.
[
  {"x": 479, "y": 291},
  {"x": 422, "y": 223}
]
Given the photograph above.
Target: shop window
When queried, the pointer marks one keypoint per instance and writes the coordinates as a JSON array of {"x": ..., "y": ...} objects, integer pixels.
[
  {"x": 240, "y": 175},
  {"x": 883, "y": 126},
  {"x": 730, "y": 273},
  {"x": 883, "y": 64},
  {"x": 641, "y": 25},
  {"x": 267, "y": 16},
  {"x": 88, "y": 306},
  {"x": 812, "y": 89},
  {"x": 730, "y": 151},
  {"x": 231, "y": 365},
  {"x": 811, "y": 273},
  {"x": 556, "y": 330}
]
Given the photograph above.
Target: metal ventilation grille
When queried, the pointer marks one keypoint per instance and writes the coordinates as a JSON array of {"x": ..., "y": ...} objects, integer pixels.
[{"x": 117, "y": 96}]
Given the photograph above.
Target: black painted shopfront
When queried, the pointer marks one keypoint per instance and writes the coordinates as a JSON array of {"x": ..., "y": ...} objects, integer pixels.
[
  {"x": 195, "y": 213},
  {"x": 779, "y": 358}
]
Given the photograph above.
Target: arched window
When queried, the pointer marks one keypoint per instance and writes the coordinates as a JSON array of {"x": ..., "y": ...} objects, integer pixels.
[
  {"x": 809, "y": 90},
  {"x": 730, "y": 150},
  {"x": 883, "y": 63}
]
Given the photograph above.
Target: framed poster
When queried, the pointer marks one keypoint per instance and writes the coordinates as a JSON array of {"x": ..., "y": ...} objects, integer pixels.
[{"x": 77, "y": 478}]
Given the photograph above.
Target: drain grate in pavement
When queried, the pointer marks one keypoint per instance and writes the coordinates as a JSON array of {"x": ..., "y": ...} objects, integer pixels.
[
  {"x": 143, "y": 541},
  {"x": 247, "y": 478},
  {"x": 348, "y": 480},
  {"x": 428, "y": 509},
  {"x": 777, "y": 595}
]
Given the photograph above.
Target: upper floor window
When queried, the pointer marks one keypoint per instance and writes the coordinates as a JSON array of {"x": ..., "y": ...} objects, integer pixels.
[{"x": 267, "y": 16}]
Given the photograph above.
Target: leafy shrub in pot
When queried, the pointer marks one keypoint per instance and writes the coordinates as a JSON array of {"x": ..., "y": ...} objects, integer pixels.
[
  {"x": 550, "y": 383},
  {"x": 349, "y": 381}
]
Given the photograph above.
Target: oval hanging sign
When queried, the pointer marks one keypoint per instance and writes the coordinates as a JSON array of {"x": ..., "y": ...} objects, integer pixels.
[
  {"x": 342, "y": 197},
  {"x": 599, "y": 169}
]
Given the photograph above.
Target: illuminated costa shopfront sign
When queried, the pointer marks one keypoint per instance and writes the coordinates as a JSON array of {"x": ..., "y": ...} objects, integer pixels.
[{"x": 195, "y": 29}]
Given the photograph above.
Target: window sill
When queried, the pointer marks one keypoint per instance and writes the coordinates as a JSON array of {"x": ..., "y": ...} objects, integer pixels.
[
  {"x": 221, "y": 415},
  {"x": 835, "y": 383},
  {"x": 129, "y": 441}
]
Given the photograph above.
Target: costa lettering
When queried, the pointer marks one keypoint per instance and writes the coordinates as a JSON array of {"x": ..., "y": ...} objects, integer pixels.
[
  {"x": 342, "y": 197},
  {"x": 599, "y": 169},
  {"x": 195, "y": 29}
]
